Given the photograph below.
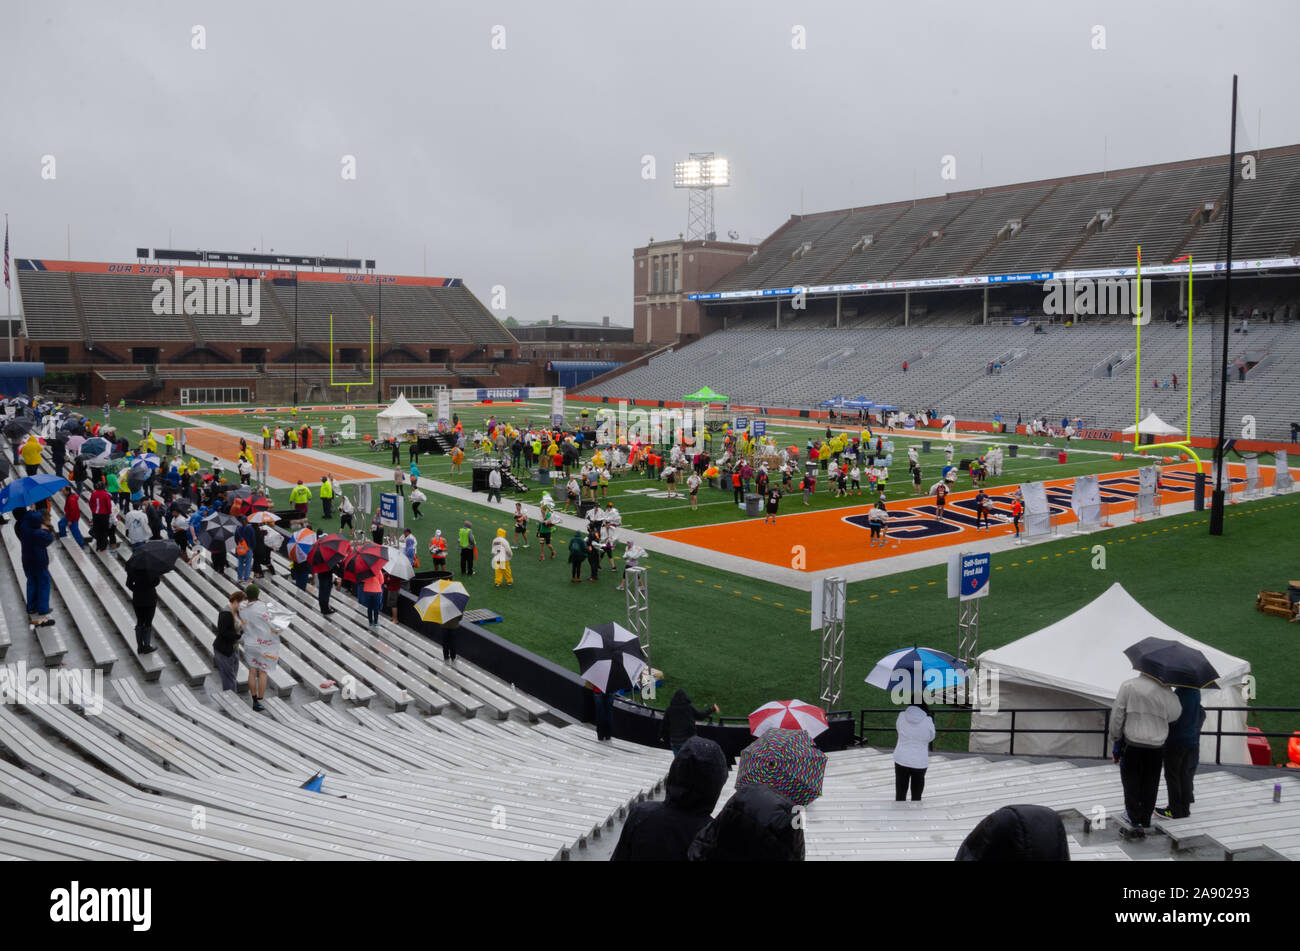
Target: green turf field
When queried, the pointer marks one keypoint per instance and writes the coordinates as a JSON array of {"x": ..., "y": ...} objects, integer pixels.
[
  {"x": 643, "y": 512},
  {"x": 741, "y": 642}
]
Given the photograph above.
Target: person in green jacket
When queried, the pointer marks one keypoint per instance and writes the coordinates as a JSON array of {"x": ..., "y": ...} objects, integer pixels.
[
  {"x": 327, "y": 495},
  {"x": 468, "y": 549},
  {"x": 577, "y": 555},
  {"x": 299, "y": 497}
]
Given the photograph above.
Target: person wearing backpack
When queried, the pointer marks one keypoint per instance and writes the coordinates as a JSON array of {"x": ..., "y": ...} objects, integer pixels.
[{"x": 245, "y": 542}]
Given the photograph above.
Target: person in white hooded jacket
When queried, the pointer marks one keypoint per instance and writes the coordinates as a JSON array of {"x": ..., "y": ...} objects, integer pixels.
[{"x": 912, "y": 752}]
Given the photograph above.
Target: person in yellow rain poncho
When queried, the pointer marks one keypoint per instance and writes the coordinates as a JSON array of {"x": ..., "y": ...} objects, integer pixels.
[
  {"x": 31, "y": 453},
  {"x": 457, "y": 457},
  {"x": 192, "y": 466},
  {"x": 150, "y": 443},
  {"x": 598, "y": 460},
  {"x": 501, "y": 555}
]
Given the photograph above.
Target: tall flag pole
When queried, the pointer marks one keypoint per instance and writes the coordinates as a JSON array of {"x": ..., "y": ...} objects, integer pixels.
[
  {"x": 1216, "y": 508},
  {"x": 9, "y": 302}
]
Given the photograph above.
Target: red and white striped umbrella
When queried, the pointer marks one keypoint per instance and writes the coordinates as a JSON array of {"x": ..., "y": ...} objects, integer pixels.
[{"x": 788, "y": 715}]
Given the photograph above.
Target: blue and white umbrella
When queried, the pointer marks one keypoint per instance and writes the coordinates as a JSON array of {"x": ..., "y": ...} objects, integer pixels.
[
  {"x": 148, "y": 459},
  {"x": 909, "y": 663}
]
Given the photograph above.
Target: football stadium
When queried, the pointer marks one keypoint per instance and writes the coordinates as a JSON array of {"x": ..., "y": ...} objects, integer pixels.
[{"x": 958, "y": 525}]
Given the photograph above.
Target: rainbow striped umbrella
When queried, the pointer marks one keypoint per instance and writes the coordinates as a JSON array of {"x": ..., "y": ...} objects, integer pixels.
[
  {"x": 300, "y": 543},
  {"x": 788, "y": 715},
  {"x": 787, "y": 761}
]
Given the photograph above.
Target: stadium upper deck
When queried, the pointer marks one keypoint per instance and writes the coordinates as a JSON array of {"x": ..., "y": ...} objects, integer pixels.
[{"x": 1078, "y": 222}]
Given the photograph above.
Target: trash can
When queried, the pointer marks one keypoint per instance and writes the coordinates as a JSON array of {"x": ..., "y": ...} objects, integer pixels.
[
  {"x": 753, "y": 505},
  {"x": 427, "y": 577},
  {"x": 1012, "y": 451},
  {"x": 1293, "y": 592},
  {"x": 585, "y": 507},
  {"x": 925, "y": 445},
  {"x": 1060, "y": 457}
]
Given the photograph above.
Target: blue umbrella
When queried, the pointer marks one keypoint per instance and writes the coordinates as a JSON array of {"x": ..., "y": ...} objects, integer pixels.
[
  {"x": 149, "y": 459},
  {"x": 910, "y": 662},
  {"x": 27, "y": 491},
  {"x": 95, "y": 446}
]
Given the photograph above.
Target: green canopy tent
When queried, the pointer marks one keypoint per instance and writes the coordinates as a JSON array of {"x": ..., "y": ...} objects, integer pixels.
[{"x": 716, "y": 422}]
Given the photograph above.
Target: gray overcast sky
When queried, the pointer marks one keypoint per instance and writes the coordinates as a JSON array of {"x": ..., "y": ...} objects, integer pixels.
[{"x": 522, "y": 167}]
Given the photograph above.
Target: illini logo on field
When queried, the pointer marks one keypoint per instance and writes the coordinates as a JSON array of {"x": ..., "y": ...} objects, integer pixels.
[{"x": 208, "y": 297}]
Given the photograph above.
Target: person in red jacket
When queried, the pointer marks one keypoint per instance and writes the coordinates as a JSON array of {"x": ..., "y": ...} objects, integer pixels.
[
  {"x": 71, "y": 516},
  {"x": 101, "y": 508}
]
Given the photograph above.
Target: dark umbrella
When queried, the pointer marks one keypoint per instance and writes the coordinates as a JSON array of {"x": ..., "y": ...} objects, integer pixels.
[
  {"x": 4, "y": 465},
  {"x": 1172, "y": 663},
  {"x": 218, "y": 527},
  {"x": 95, "y": 446},
  {"x": 17, "y": 427},
  {"x": 610, "y": 657},
  {"x": 181, "y": 505},
  {"x": 27, "y": 491},
  {"x": 328, "y": 553},
  {"x": 155, "y": 558},
  {"x": 138, "y": 478}
]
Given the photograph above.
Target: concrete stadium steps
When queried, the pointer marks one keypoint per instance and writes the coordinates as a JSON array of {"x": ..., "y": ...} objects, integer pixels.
[
  {"x": 476, "y": 790},
  {"x": 857, "y": 817}
]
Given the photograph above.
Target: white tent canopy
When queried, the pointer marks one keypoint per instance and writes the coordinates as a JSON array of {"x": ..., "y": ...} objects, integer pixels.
[
  {"x": 398, "y": 418},
  {"x": 1153, "y": 425},
  {"x": 1079, "y": 662}
]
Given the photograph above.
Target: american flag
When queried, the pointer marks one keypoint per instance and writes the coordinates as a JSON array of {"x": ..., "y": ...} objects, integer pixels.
[{"x": 6, "y": 251}]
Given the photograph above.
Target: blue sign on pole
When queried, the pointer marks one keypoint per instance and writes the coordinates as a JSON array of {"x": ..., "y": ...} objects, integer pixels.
[
  {"x": 390, "y": 510},
  {"x": 760, "y": 428},
  {"x": 742, "y": 422},
  {"x": 968, "y": 575}
]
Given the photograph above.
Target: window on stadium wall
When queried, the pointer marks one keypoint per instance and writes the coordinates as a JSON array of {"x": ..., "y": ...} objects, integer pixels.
[
  {"x": 418, "y": 391},
  {"x": 191, "y": 396}
]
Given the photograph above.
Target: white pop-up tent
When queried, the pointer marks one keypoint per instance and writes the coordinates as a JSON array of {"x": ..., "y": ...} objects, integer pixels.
[
  {"x": 1153, "y": 425},
  {"x": 398, "y": 418},
  {"x": 1079, "y": 662}
]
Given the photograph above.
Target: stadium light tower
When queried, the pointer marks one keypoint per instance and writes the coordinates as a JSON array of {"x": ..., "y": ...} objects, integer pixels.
[{"x": 700, "y": 174}]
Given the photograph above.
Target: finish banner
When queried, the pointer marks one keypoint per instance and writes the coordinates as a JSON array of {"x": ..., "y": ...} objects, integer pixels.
[{"x": 503, "y": 394}]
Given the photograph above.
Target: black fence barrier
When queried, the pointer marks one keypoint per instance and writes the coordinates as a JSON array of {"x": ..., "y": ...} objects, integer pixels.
[{"x": 1213, "y": 715}]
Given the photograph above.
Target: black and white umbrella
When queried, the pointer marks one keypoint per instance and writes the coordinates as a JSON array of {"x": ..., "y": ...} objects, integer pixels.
[{"x": 610, "y": 657}]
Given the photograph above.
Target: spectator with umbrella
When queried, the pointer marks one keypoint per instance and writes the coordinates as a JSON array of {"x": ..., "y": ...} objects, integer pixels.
[
  {"x": 325, "y": 557},
  {"x": 35, "y": 537},
  {"x": 679, "y": 720},
  {"x": 915, "y": 729},
  {"x": 1182, "y": 754},
  {"x": 1140, "y": 718},
  {"x": 663, "y": 831},
  {"x": 146, "y": 566},
  {"x": 609, "y": 659},
  {"x": 442, "y": 604}
]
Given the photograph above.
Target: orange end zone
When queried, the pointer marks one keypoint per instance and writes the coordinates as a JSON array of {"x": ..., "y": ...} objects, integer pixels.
[
  {"x": 285, "y": 464},
  {"x": 832, "y": 539}
]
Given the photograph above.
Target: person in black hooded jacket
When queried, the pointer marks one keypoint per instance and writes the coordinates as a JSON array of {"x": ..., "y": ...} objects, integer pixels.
[
  {"x": 679, "y": 720},
  {"x": 757, "y": 824},
  {"x": 1017, "y": 834},
  {"x": 663, "y": 831}
]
